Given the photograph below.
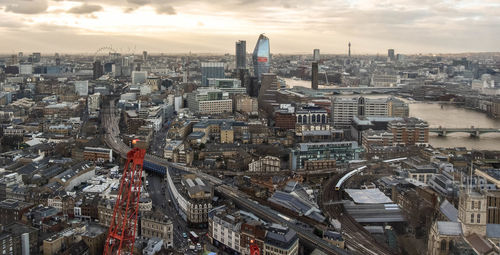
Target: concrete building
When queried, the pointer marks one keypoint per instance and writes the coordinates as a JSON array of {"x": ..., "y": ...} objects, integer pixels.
[
  {"x": 342, "y": 152},
  {"x": 246, "y": 104},
  {"x": 139, "y": 77},
  {"x": 281, "y": 241},
  {"x": 17, "y": 238},
  {"x": 268, "y": 89},
  {"x": 98, "y": 154},
  {"x": 82, "y": 88},
  {"x": 226, "y": 133},
  {"x": 265, "y": 164},
  {"x": 94, "y": 104},
  {"x": 224, "y": 228},
  {"x": 316, "y": 56},
  {"x": 385, "y": 80},
  {"x": 314, "y": 75},
  {"x": 12, "y": 210},
  {"x": 156, "y": 224},
  {"x": 344, "y": 109},
  {"x": 241, "y": 54},
  {"x": 209, "y": 101}
]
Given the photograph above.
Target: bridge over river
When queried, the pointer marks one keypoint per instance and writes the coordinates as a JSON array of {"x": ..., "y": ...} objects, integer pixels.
[{"x": 475, "y": 132}]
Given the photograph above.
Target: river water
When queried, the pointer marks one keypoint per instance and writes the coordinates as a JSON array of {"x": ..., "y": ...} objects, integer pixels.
[{"x": 449, "y": 116}]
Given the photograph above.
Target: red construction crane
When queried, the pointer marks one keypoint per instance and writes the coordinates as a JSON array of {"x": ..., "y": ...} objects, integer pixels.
[
  {"x": 254, "y": 248},
  {"x": 121, "y": 233}
]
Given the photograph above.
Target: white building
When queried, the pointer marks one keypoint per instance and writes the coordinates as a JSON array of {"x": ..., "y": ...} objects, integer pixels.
[
  {"x": 94, "y": 103},
  {"x": 82, "y": 88}
]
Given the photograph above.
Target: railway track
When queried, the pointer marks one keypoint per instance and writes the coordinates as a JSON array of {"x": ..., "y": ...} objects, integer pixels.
[{"x": 357, "y": 238}]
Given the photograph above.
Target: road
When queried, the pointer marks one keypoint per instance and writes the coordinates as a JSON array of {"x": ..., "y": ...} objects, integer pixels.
[{"x": 110, "y": 121}]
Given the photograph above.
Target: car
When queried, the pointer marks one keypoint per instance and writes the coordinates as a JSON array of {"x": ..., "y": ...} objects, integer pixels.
[{"x": 184, "y": 235}]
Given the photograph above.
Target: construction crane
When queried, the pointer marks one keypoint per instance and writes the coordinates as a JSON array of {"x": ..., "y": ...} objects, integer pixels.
[
  {"x": 254, "y": 248},
  {"x": 122, "y": 228}
]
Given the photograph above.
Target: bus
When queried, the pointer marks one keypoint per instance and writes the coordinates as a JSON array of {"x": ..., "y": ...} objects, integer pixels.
[{"x": 194, "y": 237}]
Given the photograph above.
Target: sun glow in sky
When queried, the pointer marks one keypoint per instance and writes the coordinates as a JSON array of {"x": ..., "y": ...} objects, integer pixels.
[{"x": 212, "y": 26}]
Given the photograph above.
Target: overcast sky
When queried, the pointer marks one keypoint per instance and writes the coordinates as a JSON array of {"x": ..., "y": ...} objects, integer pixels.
[{"x": 213, "y": 26}]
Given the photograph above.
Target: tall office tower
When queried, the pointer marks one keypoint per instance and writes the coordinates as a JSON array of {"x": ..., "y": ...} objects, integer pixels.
[
  {"x": 390, "y": 54},
  {"x": 261, "y": 57},
  {"x": 314, "y": 75},
  {"x": 211, "y": 70},
  {"x": 241, "y": 54},
  {"x": 144, "y": 56},
  {"x": 97, "y": 70},
  {"x": 20, "y": 54},
  {"x": 267, "y": 92},
  {"x": 316, "y": 55},
  {"x": 349, "y": 49},
  {"x": 37, "y": 56}
]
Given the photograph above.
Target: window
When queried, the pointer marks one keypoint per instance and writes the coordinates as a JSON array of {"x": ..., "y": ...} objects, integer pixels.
[
  {"x": 471, "y": 218},
  {"x": 478, "y": 218},
  {"x": 479, "y": 205},
  {"x": 443, "y": 245}
]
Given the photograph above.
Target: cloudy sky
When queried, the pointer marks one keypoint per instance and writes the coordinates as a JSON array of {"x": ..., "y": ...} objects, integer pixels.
[{"x": 212, "y": 26}]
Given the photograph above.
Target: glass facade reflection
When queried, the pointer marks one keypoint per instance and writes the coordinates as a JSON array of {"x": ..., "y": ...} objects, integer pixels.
[{"x": 261, "y": 57}]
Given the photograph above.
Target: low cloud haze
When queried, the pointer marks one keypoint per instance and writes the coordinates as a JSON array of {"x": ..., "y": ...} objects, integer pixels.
[{"x": 372, "y": 26}]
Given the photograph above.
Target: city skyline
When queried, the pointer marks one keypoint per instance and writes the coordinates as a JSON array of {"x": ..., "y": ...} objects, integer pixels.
[{"x": 410, "y": 27}]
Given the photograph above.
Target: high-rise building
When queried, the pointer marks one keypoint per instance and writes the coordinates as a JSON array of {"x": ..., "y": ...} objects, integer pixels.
[
  {"x": 316, "y": 56},
  {"x": 211, "y": 70},
  {"x": 241, "y": 54},
  {"x": 261, "y": 57},
  {"x": 144, "y": 56},
  {"x": 390, "y": 54},
  {"x": 314, "y": 75},
  {"x": 268, "y": 89},
  {"x": 349, "y": 49},
  {"x": 97, "y": 70}
]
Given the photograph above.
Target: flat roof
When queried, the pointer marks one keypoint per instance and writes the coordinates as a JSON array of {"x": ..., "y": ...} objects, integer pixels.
[{"x": 368, "y": 196}]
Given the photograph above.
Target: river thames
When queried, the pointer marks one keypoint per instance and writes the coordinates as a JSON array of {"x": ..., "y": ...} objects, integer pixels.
[{"x": 448, "y": 116}]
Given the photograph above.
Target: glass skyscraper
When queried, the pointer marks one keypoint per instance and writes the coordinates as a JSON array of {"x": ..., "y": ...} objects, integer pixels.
[
  {"x": 211, "y": 70},
  {"x": 261, "y": 57},
  {"x": 241, "y": 54}
]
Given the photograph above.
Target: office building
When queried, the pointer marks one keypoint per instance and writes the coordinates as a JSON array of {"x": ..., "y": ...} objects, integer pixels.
[
  {"x": 339, "y": 151},
  {"x": 241, "y": 54},
  {"x": 231, "y": 86},
  {"x": 385, "y": 80},
  {"x": 314, "y": 75},
  {"x": 246, "y": 104},
  {"x": 281, "y": 240},
  {"x": 139, "y": 77},
  {"x": 156, "y": 224},
  {"x": 144, "y": 56},
  {"x": 311, "y": 115},
  {"x": 94, "y": 104},
  {"x": 265, "y": 164},
  {"x": 12, "y": 210},
  {"x": 97, "y": 70},
  {"x": 409, "y": 131},
  {"x": 36, "y": 57},
  {"x": 261, "y": 57},
  {"x": 98, "y": 154},
  {"x": 211, "y": 70},
  {"x": 345, "y": 108},
  {"x": 82, "y": 88},
  {"x": 209, "y": 101},
  {"x": 17, "y": 238},
  {"x": 316, "y": 56},
  {"x": 268, "y": 89},
  {"x": 390, "y": 54}
]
